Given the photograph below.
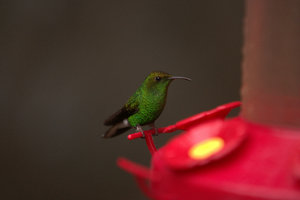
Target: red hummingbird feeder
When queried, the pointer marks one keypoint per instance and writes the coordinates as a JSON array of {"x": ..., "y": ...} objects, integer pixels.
[
  {"x": 221, "y": 159},
  {"x": 255, "y": 156}
]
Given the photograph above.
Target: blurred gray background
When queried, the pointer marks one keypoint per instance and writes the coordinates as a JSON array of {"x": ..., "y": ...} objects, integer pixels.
[{"x": 67, "y": 65}]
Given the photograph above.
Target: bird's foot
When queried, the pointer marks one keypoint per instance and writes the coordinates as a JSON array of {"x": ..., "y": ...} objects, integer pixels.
[
  {"x": 139, "y": 128},
  {"x": 155, "y": 129}
]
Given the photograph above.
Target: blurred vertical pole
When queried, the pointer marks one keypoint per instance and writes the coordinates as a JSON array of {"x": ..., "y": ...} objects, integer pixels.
[{"x": 271, "y": 66}]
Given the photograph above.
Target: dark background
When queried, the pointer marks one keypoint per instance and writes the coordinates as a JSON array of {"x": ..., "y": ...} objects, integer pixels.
[{"x": 67, "y": 65}]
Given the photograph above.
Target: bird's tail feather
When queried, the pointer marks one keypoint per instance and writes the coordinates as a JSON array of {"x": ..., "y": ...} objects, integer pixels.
[{"x": 117, "y": 129}]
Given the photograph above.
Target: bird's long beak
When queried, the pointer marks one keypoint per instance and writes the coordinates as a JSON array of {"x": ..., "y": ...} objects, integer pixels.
[{"x": 179, "y": 77}]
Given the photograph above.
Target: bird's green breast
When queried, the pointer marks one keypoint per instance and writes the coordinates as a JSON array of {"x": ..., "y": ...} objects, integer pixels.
[{"x": 151, "y": 104}]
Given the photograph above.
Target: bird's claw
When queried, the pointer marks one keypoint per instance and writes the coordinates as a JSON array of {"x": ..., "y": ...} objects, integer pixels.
[
  {"x": 143, "y": 135},
  {"x": 139, "y": 128}
]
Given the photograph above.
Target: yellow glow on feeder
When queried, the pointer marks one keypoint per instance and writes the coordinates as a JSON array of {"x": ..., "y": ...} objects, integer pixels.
[{"x": 206, "y": 148}]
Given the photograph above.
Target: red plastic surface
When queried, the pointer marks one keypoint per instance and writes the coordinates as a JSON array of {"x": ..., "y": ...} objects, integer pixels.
[
  {"x": 256, "y": 162},
  {"x": 264, "y": 166},
  {"x": 175, "y": 153}
]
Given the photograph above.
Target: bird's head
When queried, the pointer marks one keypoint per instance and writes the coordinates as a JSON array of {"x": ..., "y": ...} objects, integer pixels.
[{"x": 158, "y": 80}]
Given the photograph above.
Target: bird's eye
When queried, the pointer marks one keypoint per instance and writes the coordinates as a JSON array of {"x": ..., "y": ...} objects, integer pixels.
[{"x": 157, "y": 78}]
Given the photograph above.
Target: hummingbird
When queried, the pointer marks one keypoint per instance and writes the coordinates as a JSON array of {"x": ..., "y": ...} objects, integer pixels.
[{"x": 143, "y": 107}]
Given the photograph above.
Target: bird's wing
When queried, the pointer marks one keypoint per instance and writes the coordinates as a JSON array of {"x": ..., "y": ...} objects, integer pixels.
[
  {"x": 126, "y": 111},
  {"x": 116, "y": 130},
  {"x": 117, "y": 117}
]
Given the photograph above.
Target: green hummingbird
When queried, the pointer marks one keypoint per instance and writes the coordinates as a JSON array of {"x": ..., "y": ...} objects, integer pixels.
[{"x": 144, "y": 106}]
